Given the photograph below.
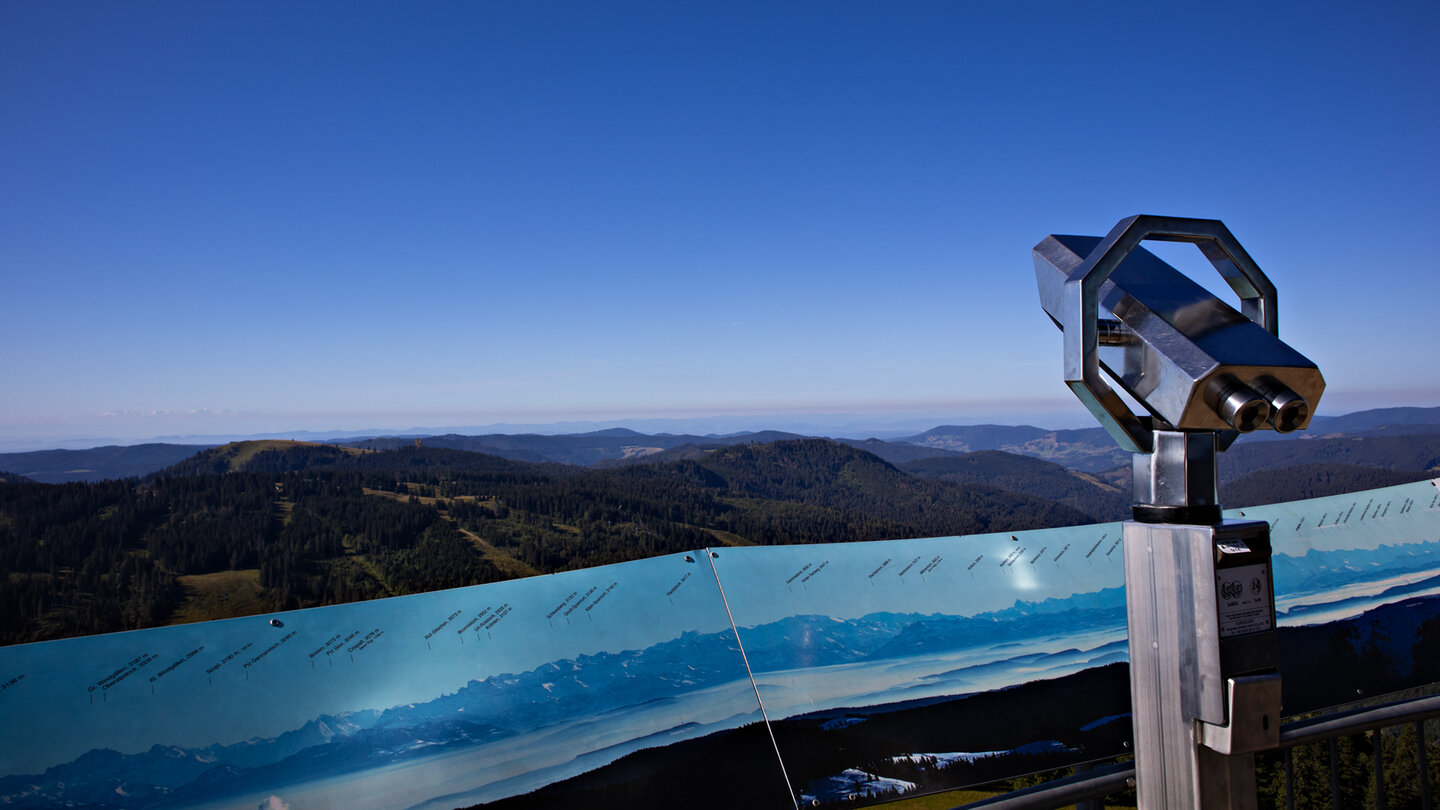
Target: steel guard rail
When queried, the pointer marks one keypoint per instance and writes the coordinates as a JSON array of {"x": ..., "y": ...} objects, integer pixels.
[{"x": 1102, "y": 781}]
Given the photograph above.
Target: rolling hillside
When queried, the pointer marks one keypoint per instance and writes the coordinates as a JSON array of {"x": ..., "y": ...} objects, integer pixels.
[
  {"x": 1031, "y": 476},
  {"x": 262, "y": 526},
  {"x": 1089, "y": 450},
  {"x": 1412, "y": 453},
  {"x": 1304, "y": 481},
  {"x": 95, "y": 464}
]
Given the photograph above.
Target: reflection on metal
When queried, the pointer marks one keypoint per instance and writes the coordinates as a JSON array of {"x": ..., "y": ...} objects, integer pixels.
[
  {"x": 1200, "y": 595},
  {"x": 1189, "y": 358},
  {"x": 1178, "y": 476}
]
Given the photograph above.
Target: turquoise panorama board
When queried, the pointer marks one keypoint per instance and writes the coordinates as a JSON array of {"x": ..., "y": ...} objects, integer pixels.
[{"x": 761, "y": 676}]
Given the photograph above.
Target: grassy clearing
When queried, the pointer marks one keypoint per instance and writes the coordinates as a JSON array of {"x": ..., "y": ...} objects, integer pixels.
[
  {"x": 358, "y": 569},
  {"x": 353, "y": 557},
  {"x": 287, "y": 510},
  {"x": 240, "y": 453},
  {"x": 427, "y": 500},
  {"x": 507, "y": 564},
  {"x": 939, "y": 801},
  {"x": 400, "y": 496},
  {"x": 221, "y": 595},
  {"x": 725, "y": 538}
]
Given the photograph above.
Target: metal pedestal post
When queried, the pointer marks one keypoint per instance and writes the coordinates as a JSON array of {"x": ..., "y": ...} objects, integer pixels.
[
  {"x": 1200, "y": 606},
  {"x": 1175, "y": 674}
]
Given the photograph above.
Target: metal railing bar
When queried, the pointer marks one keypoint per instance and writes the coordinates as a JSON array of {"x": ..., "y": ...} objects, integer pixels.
[
  {"x": 1094, "y": 784},
  {"x": 1335, "y": 725},
  {"x": 1103, "y": 781}
]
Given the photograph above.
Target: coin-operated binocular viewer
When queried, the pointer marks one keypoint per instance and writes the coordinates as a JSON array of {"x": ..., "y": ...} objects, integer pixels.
[{"x": 1204, "y": 679}]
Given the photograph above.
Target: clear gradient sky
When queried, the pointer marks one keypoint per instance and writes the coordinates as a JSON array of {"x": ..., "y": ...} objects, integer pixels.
[{"x": 233, "y": 217}]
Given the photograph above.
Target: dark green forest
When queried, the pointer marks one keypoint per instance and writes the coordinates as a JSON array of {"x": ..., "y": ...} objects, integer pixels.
[
  {"x": 1296, "y": 483},
  {"x": 258, "y": 527}
]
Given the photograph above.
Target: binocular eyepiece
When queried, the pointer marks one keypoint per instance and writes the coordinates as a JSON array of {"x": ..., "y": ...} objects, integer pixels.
[{"x": 1246, "y": 408}]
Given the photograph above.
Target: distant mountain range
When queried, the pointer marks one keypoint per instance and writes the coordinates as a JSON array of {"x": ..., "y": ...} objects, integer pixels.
[
  {"x": 1324, "y": 571},
  {"x": 1402, "y": 439},
  {"x": 96, "y": 464}
]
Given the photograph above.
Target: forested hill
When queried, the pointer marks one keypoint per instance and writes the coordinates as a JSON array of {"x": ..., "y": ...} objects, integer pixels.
[
  {"x": 1090, "y": 451},
  {"x": 1024, "y": 474},
  {"x": 258, "y": 527},
  {"x": 581, "y": 449},
  {"x": 95, "y": 464},
  {"x": 253, "y": 527},
  {"x": 811, "y": 472},
  {"x": 1288, "y": 470},
  {"x": 1416, "y": 452},
  {"x": 826, "y": 474},
  {"x": 292, "y": 456}
]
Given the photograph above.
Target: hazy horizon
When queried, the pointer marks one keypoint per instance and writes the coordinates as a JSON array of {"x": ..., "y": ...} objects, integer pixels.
[{"x": 836, "y": 423}]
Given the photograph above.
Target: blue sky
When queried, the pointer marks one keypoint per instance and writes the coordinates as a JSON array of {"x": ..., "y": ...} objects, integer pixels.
[{"x": 249, "y": 217}]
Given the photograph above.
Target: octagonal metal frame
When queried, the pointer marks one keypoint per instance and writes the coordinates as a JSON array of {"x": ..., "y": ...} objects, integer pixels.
[{"x": 1080, "y": 306}]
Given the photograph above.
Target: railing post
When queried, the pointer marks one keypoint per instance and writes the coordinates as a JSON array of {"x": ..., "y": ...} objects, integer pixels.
[
  {"x": 1088, "y": 804},
  {"x": 1420, "y": 757},
  {"x": 1334, "y": 774},
  {"x": 1378, "y": 746},
  {"x": 1289, "y": 779}
]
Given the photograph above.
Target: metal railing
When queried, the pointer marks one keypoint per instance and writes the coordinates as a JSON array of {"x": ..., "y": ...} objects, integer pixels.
[{"x": 1087, "y": 789}]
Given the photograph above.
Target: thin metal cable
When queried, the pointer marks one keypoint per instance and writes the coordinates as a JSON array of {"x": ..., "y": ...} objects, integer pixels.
[{"x": 710, "y": 558}]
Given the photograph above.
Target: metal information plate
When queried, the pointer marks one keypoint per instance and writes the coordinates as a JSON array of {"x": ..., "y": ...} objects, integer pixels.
[{"x": 1242, "y": 595}]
